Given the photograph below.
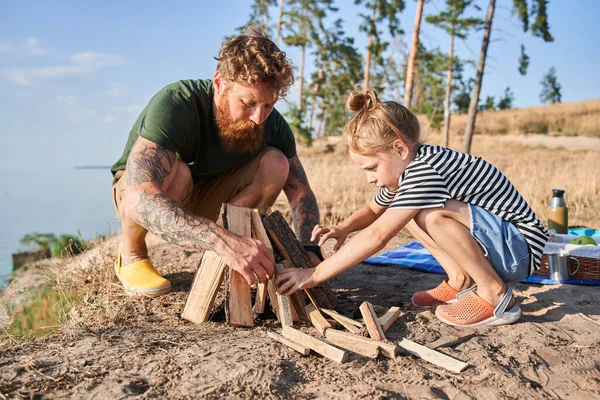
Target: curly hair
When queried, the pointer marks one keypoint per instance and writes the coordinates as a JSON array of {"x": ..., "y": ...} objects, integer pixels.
[
  {"x": 376, "y": 125},
  {"x": 251, "y": 57}
]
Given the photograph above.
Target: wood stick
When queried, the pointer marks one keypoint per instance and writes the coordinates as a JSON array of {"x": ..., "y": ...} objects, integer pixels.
[
  {"x": 350, "y": 342},
  {"x": 316, "y": 345},
  {"x": 203, "y": 293},
  {"x": 289, "y": 343},
  {"x": 261, "y": 298},
  {"x": 449, "y": 340},
  {"x": 389, "y": 350},
  {"x": 273, "y": 298},
  {"x": 259, "y": 232},
  {"x": 317, "y": 319},
  {"x": 387, "y": 319},
  {"x": 238, "y": 300},
  {"x": 284, "y": 239},
  {"x": 298, "y": 302},
  {"x": 433, "y": 356},
  {"x": 283, "y": 304},
  {"x": 339, "y": 317},
  {"x": 371, "y": 321}
]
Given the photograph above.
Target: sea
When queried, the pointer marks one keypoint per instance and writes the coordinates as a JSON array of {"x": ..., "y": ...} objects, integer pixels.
[{"x": 75, "y": 201}]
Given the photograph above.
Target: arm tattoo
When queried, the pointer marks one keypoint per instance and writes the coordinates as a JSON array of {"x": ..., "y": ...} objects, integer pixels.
[
  {"x": 155, "y": 210},
  {"x": 305, "y": 211}
]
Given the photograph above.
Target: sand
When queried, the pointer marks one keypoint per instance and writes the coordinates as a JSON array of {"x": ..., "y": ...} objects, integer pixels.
[{"x": 145, "y": 350}]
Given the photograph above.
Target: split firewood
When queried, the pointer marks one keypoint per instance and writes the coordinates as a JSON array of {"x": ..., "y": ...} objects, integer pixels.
[
  {"x": 387, "y": 319},
  {"x": 258, "y": 232},
  {"x": 316, "y": 345},
  {"x": 348, "y": 323},
  {"x": 283, "y": 304},
  {"x": 433, "y": 356},
  {"x": 387, "y": 349},
  {"x": 289, "y": 343},
  {"x": 371, "y": 321},
  {"x": 238, "y": 300},
  {"x": 284, "y": 239},
  {"x": 349, "y": 341},
  {"x": 317, "y": 319}
]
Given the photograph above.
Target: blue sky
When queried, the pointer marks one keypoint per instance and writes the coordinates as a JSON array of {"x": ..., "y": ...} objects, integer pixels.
[{"x": 74, "y": 75}]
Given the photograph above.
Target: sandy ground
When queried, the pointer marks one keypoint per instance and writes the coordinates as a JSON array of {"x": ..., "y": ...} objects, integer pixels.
[{"x": 147, "y": 351}]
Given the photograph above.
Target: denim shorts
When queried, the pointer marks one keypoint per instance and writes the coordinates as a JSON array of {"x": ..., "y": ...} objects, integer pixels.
[{"x": 503, "y": 244}]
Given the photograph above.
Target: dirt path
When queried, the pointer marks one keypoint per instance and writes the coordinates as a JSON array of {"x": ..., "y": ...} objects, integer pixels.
[{"x": 148, "y": 351}]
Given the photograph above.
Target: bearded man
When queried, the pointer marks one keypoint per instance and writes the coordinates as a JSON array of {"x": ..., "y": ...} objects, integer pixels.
[{"x": 201, "y": 143}]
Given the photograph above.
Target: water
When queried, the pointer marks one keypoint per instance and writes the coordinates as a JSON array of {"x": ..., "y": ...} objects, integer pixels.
[{"x": 60, "y": 201}]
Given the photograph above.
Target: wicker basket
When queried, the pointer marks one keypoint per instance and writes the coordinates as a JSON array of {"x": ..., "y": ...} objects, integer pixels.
[{"x": 589, "y": 268}]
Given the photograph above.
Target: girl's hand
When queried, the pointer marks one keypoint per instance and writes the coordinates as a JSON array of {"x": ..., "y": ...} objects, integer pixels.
[
  {"x": 336, "y": 232},
  {"x": 291, "y": 280}
]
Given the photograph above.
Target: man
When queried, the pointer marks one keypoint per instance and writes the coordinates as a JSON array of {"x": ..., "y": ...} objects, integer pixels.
[{"x": 200, "y": 143}]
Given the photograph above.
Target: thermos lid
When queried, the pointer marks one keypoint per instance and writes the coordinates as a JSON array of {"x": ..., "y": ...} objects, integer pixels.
[{"x": 557, "y": 192}]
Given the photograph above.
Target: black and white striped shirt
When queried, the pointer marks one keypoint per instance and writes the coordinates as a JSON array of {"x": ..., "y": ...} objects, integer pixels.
[{"x": 438, "y": 174}]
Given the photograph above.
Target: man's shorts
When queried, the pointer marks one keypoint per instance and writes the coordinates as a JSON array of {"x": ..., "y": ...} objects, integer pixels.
[
  {"x": 204, "y": 198},
  {"x": 503, "y": 244}
]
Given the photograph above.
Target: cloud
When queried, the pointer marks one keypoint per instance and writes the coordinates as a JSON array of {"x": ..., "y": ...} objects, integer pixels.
[
  {"x": 116, "y": 90},
  {"x": 32, "y": 47},
  {"x": 67, "y": 99},
  {"x": 6, "y": 47},
  {"x": 81, "y": 64}
]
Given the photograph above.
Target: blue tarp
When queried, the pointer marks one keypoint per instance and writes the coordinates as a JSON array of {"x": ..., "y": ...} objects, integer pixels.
[{"x": 414, "y": 256}]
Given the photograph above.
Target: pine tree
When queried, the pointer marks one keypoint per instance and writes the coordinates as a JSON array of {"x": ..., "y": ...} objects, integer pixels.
[
  {"x": 414, "y": 48},
  {"x": 550, "y": 88},
  {"x": 506, "y": 101}
]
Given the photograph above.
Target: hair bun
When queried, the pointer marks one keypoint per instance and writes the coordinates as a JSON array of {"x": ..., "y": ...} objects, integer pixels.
[{"x": 362, "y": 100}]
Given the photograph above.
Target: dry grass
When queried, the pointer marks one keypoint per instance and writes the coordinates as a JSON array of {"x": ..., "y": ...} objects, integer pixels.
[
  {"x": 341, "y": 187},
  {"x": 571, "y": 119}
]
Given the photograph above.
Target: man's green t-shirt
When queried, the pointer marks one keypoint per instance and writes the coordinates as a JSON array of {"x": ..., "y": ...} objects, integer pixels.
[{"x": 180, "y": 119}]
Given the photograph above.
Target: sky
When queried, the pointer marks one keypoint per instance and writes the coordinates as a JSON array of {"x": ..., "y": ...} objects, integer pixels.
[{"x": 74, "y": 75}]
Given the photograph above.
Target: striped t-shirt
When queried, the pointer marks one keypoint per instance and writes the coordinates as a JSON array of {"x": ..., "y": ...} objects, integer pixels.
[{"x": 438, "y": 174}]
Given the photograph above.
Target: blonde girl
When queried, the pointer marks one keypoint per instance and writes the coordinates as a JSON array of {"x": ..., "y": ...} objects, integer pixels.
[{"x": 460, "y": 207}]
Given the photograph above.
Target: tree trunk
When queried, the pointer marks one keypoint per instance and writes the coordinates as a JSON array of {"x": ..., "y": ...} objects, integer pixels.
[
  {"x": 267, "y": 16},
  {"x": 470, "y": 128},
  {"x": 410, "y": 68},
  {"x": 278, "y": 28},
  {"x": 323, "y": 121},
  {"x": 448, "y": 90},
  {"x": 368, "y": 55},
  {"x": 301, "y": 73},
  {"x": 313, "y": 105}
]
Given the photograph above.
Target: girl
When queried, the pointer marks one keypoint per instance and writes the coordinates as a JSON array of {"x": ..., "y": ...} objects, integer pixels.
[{"x": 460, "y": 207}]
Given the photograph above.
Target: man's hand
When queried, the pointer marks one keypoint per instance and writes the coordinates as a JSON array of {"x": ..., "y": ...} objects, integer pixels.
[
  {"x": 291, "y": 280},
  {"x": 249, "y": 257},
  {"x": 338, "y": 233}
]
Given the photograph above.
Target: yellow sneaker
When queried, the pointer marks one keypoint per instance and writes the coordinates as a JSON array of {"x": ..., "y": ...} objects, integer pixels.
[{"x": 140, "y": 278}]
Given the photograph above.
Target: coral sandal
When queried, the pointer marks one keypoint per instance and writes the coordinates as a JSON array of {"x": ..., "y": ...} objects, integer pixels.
[
  {"x": 443, "y": 294},
  {"x": 472, "y": 310},
  {"x": 140, "y": 278}
]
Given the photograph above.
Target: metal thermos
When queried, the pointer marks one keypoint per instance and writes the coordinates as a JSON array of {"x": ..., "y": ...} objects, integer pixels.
[{"x": 558, "y": 213}]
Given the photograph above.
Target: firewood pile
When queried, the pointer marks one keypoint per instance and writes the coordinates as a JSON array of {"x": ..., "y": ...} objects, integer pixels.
[{"x": 313, "y": 306}]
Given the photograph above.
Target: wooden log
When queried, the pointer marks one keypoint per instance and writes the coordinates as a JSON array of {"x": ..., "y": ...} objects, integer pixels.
[
  {"x": 289, "y": 343},
  {"x": 350, "y": 342},
  {"x": 316, "y": 345},
  {"x": 284, "y": 239},
  {"x": 371, "y": 321},
  {"x": 261, "y": 298},
  {"x": 386, "y": 349},
  {"x": 205, "y": 287},
  {"x": 238, "y": 300},
  {"x": 273, "y": 298},
  {"x": 283, "y": 304},
  {"x": 348, "y": 323},
  {"x": 387, "y": 319},
  {"x": 449, "y": 340},
  {"x": 432, "y": 356},
  {"x": 317, "y": 319},
  {"x": 297, "y": 300},
  {"x": 259, "y": 232}
]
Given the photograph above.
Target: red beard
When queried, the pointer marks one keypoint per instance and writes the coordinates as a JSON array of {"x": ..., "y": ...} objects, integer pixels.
[{"x": 238, "y": 136}]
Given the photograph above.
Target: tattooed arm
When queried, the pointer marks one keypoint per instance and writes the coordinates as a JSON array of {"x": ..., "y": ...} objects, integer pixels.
[
  {"x": 305, "y": 211},
  {"x": 151, "y": 169}
]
